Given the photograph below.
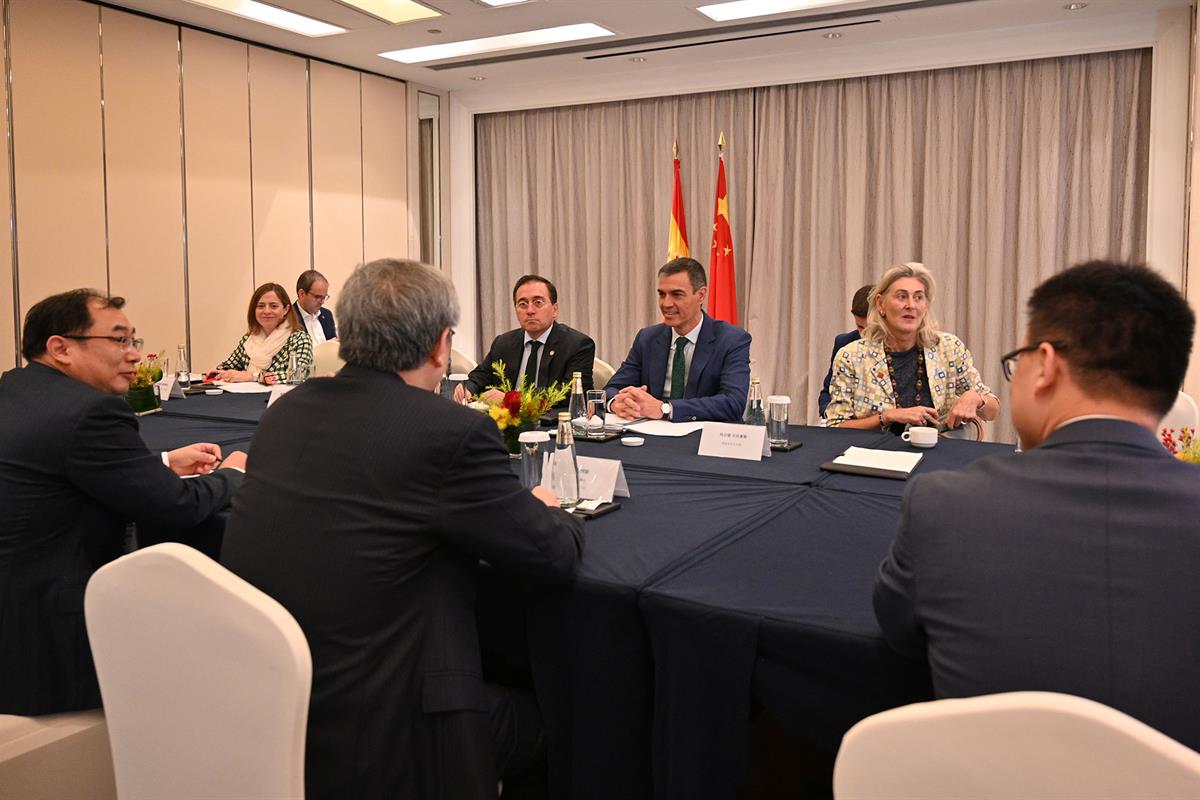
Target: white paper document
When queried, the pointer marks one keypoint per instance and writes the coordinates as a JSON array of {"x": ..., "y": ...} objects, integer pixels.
[
  {"x": 247, "y": 387},
  {"x": 278, "y": 391},
  {"x": 896, "y": 461},
  {"x": 662, "y": 427}
]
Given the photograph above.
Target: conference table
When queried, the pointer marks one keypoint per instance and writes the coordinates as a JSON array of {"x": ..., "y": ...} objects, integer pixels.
[{"x": 718, "y": 588}]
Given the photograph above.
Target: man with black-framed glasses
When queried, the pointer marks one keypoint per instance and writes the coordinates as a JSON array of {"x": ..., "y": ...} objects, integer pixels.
[
  {"x": 73, "y": 473},
  {"x": 1070, "y": 567}
]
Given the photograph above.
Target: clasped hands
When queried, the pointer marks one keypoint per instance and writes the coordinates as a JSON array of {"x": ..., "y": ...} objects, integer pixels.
[
  {"x": 633, "y": 402},
  {"x": 966, "y": 408}
]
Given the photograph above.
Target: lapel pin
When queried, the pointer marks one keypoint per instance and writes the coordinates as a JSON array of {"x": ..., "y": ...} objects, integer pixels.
[{"x": 551, "y": 355}]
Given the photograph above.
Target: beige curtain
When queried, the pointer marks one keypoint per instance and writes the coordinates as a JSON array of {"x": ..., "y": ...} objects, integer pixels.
[
  {"x": 582, "y": 196},
  {"x": 995, "y": 176}
]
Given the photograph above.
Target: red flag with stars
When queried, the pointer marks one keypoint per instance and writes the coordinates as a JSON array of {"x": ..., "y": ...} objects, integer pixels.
[{"x": 722, "y": 288}]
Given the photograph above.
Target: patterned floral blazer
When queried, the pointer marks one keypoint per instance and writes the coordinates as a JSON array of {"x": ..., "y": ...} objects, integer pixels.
[{"x": 862, "y": 387}]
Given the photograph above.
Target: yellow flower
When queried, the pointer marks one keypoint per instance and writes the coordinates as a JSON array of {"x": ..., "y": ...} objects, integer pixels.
[{"x": 501, "y": 415}]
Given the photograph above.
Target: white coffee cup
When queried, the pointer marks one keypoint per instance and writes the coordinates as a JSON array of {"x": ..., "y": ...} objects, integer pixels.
[{"x": 919, "y": 436}]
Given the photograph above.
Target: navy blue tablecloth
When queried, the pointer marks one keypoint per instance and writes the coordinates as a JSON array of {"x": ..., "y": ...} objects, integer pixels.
[
  {"x": 167, "y": 432},
  {"x": 226, "y": 407}
]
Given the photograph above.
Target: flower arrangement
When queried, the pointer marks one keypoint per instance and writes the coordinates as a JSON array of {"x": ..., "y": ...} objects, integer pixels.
[
  {"x": 149, "y": 371},
  {"x": 1183, "y": 443},
  {"x": 520, "y": 407}
]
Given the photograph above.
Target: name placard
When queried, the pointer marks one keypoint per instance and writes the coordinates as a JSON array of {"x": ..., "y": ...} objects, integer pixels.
[
  {"x": 168, "y": 388},
  {"x": 278, "y": 390},
  {"x": 599, "y": 478},
  {"x": 729, "y": 440}
]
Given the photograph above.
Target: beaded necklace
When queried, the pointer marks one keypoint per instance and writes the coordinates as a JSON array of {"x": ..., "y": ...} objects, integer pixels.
[{"x": 920, "y": 375}]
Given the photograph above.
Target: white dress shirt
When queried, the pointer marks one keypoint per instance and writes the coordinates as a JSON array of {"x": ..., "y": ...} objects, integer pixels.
[
  {"x": 692, "y": 337},
  {"x": 541, "y": 352},
  {"x": 312, "y": 324}
]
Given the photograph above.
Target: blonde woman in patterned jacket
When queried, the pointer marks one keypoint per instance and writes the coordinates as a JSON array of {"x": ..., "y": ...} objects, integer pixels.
[
  {"x": 904, "y": 371},
  {"x": 274, "y": 336}
]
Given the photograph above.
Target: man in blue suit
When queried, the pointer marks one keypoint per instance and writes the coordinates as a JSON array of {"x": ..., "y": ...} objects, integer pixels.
[
  {"x": 1070, "y": 567},
  {"x": 690, "y": 366},
  {"x": 858, "y": 310},
  {"x": 312, "y": 290}
]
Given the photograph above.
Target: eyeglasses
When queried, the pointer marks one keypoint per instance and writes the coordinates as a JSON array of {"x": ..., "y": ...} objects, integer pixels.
[
  {"x": 1008, "y": 361},
  {"x": 125, "y": 342},
  {"x": 320, "y": 298},
  {"x": 537, "y": 302}
]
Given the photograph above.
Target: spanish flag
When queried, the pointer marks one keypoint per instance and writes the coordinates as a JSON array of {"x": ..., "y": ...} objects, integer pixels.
[
  {"x": 677, "y": 243},
  {"x": 722, "y": 288}
]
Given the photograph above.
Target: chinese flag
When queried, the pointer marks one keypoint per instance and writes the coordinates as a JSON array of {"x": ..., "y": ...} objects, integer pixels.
[
  {"x": 722, "y": 289},
  {"x": 677, "y": 243}
]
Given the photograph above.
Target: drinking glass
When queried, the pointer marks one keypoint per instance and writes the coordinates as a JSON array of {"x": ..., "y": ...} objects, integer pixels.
[
  {"x": 778, "y": 406},
  {"x": 595, "y": 413}
]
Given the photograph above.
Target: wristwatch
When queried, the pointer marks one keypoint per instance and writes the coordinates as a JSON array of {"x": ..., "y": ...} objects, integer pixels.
[{"x": 666, "y": 410}]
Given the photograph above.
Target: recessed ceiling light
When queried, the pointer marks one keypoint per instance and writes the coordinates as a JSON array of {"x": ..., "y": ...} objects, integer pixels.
[
  {"x": 832, "y": 35},
  {"x": 1075, "y": 6},
  {"x": 503, "y": 2},
  {"x": 492, "y": 44},
  {"x": 270, "y": 15},
  {"x": 741, "y": 9},
  {"x": 638, "y": 59},
  {"x": 394, "y": 11},
  {"x": 478, "y": 78},
  {"x": 434, "y": 30}
]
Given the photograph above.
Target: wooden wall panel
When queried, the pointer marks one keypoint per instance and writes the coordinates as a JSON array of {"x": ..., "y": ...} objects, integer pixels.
[
  {"x": 385, "y": 169},
  {"x": 217, "y": 175},
  {"x": 337, "y": 172},
  {"x": 145, "y": 180},
  {"x": 58, "y": 160},
  {"x": 10, "y": 320},
  {"x": 279, "y": 160}
]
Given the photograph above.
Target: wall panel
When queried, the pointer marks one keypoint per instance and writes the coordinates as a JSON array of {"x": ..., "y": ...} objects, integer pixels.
[
  {"x": 10, "y": 321},
  {"x": 385, "y": 206},
  {"x": 144, "y": 176},
  {"x": 279, "y": 162},
  {"x": 337, "y": 170},
  {"x": 58, "y": 154},
  {"x": 217, "y": 175}
]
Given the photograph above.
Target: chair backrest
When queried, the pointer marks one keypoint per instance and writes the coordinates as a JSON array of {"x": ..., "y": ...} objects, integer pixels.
[
  {"x": 326, "y": 358},
  {"x": 1183, "y": 414},
  {"x": 971, "y": 430},
  {"x": 460, "y": 363},
  {"x": 1035, "y": 745},
  {"x": 205, "y": 679},
  {"x": 602, "y": 373}
]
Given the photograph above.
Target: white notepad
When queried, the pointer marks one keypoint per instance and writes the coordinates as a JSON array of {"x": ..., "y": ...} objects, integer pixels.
[{"x": 880, "y": 463}]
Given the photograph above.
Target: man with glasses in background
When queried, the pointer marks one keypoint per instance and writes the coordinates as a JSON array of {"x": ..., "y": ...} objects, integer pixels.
[
  {"x": 312, "y": 290},
  {"x": 73, "y": 473},
  {"x": 543, "y": 350},
  {"x": 1070, "y": 567}
]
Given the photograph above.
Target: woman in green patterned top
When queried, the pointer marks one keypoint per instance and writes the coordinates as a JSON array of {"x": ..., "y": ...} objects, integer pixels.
[{"x": 275, "y": 335}]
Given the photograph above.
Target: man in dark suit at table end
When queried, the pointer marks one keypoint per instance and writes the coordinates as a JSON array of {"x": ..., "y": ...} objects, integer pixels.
[
  {"x": 378, "y": 560},
  {"x": 543, "y": 350},
  {"x": 312, "y": 290},
  {"x": 858, "y": 310},
  {"x": 1070, "y": 567},
  {"x": 73, "y": 473},
  {"x": 689, "y": 367}
]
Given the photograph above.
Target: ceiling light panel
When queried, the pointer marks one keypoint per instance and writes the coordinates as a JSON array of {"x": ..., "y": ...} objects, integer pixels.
[
  {"x": 270, "y": 15},
  {"x": 393, "y": 11},
  {"x": 744, "y": 9},
  {"x": 492, "y": 44}
]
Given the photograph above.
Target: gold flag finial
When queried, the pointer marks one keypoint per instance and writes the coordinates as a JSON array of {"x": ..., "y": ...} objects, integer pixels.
[
  {"x": 675, "y": 149},
  {"x": 721, "y": 142}
]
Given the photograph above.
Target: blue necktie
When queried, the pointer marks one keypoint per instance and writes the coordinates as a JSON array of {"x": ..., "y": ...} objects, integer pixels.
[{"x": 679, "y": 369}]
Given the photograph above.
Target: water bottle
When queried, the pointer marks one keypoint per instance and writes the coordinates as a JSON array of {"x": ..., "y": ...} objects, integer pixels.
[
  {"x": 578, "y": 407},
  {"x": 564, "y": 468},
  {"x": 755, "y": 414},
  {"x": 182, "y": 372}
]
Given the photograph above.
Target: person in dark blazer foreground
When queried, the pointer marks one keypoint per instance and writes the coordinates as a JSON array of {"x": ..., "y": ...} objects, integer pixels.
[
  {"x": 378, "y": 560},
  {"x": 1070, "y": 567},
  {"x": 689, "y": 366},
  {"x": 73, "y": 472},
  {"x": 543, "y": 350}
]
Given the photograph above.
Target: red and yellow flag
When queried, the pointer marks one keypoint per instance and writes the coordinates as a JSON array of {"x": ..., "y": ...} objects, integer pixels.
[
  {"x": 722, "y": 288},
  {"x": 677, "y": 243}
]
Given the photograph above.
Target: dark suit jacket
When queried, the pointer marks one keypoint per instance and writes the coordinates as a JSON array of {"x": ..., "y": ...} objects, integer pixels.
[
  {"x": 73, "y": 472},
  {"x": 839, "y": 341},
  {"x": 377, "y": 562},
  {"x": 1068, "y": 568},
  {"x": 324, "y": 316},
  {"x": 718, "y": 380},
  {"x": 566, "y": 351}
]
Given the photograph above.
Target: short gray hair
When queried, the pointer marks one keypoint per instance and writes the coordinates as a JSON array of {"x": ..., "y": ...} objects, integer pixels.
[{"x": 392, "y": 312}]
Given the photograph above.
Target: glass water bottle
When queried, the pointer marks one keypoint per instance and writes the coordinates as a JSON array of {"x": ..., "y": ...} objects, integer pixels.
[
  {"x": 182, "y": 370},
  {"x": 578, "y": 407},
  {"x": 564, "y": 468},
  {"x": 755, "y": 414}
]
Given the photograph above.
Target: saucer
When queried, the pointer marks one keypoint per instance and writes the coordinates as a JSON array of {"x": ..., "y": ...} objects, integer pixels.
[{"x": 923, "y": 446}]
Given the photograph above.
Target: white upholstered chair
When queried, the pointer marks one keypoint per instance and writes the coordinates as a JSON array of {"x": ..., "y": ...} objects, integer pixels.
[
  {"x": 55, "y": 757},
  {"x": 460, "y": 363},
  {"x": 1029, "y": 745},
  {"x": 1183, "y": 414},
  {"x": 326, "y": 358},
  {"x": 205, "y": 679},
  {"x": 971, "y": 430},
  {"x": 602, "y": 373}
]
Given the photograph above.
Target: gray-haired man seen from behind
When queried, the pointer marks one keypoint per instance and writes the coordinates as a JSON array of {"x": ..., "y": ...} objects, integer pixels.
[
  {"x": 378, "y": 561},
  {"x": 1070, "y": 567}
]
